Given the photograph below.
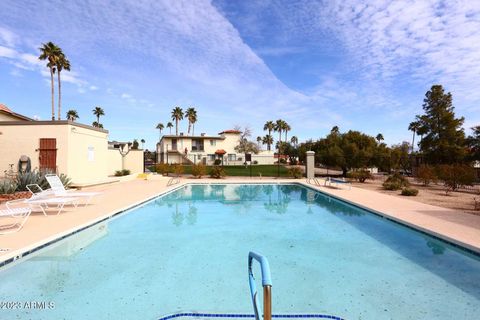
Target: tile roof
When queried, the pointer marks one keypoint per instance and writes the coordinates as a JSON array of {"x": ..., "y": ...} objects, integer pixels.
[{"x": 231, "y": 131}]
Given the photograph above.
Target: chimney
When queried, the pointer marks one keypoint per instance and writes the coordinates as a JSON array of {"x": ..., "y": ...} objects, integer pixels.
[{"x": 202, "y": 134}]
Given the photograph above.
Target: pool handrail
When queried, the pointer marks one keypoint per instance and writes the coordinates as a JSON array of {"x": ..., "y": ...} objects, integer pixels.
[{"x": 266, "y": 283}]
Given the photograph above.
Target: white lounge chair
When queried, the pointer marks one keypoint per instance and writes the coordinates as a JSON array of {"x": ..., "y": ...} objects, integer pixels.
[
  {"x": 338, "y": 182},
  {"x": 17, "y": 212},
  {"x": 59, "y": 190},
  {"x": 45, "y": 203}
]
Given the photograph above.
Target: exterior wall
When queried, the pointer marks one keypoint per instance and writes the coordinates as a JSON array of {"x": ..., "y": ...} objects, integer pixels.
[
  {"x": 114, "y": 161},
  {"x": 7, "y": 117},
  {"x": 134, "y": 161},
  {"x": 18, "y": 140}
]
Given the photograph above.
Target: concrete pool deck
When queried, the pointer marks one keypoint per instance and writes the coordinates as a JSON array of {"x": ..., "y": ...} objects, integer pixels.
[{"x": 457, "y": 227}]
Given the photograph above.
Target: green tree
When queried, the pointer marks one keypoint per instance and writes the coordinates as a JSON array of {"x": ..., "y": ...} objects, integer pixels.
[
  {"x": 170, "y": 126},
  {"x": 286, "y": 128},
  {"x": 50, "y": 52},
  {"x": 62, "y": 63},
  {"x": 135, "y": 144},
  {"x": 269, "y": 126},
  {"x": 379, "y": 137},
  {"x": 399, "y": 158},
  {"x": 143, "y": 143},
  {"x": 98, "y": 111},
  {"x": 414, "y": 126},
  {"x": 294, "y": 141},
  {"x": 191, "y": 115},
  {"x": 443, "y": 137},
  {"x": 279, "y": 125},
  {"x": 244, "y": 145},
  {"x": 177, "y": 115},
  {"x": 72, "y": 115},
  {"x": 160, "y": 127},
  {"x": 268, "y": 140},
  {"x": 97, "y": 125},
  {"x": 473, "y": 143}
]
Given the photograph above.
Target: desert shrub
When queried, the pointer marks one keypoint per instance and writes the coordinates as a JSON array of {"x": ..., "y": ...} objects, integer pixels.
[
  {"x": 456, "y": 175},
  {"x": 24, "y": 179},
  {"x": 395, "y": 182},
  {"x": 199, "y": 170},
  {"x": 295, "y": 172},
  {"x": 283, "y": 161},
  {"x": 255, "y": 162},
  {"x": 409, "y": 192},
  {"x": 425, "y": 175},
  {"x": 217, "y": 162},
  {"x": 177, "y": 169},
  {"x": 162, "y": 168},
  {"x": 8, "y": 187},
  {"x": 125, "y": 172},
  {"x": 217, "y": 172},
  {"x": 118, "y": 173},
  {"x": 360, "y": 175}
]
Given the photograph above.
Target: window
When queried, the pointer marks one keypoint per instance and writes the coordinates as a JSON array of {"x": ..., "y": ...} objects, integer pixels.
[
  {"x": 197, "y": 144},
  {"x": 213, "y": 142},
  {"x": 211, "y": 157},
  {"x": 232, "y": 157}
]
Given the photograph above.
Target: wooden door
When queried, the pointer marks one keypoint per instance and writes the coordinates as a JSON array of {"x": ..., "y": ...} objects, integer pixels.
[{"x": 48, "y": 155}]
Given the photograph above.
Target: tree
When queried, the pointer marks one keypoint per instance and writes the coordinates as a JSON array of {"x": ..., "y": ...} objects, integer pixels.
[
  {"x": 269, "y": 126},
  {"x": 143, "y": 142},
  {"x": 286, "y": 128},
  {"x": 135, "y": 144},
  {"x": 177, "y": 115},
  {"x": 335, "y": 130},
  {"x": 170, "y": 126},
  {"x": 413, "y": 126},
  {"x": 399, "y": 159},
  {"x": 49, "y": 51},
  {"x": 259, "y": 141},
  {"x": 294, "y": 141},
  {"x": 379, "y": 138},
  {"x": 444, "y": 138},
  {"x": 244, "y": 145},
  {"x": 268, "y": 140},
  {"x": 191, "y": 115},
  {"x": 62, "y": 63},
  {"x": 98, "y": 111},
  {"x": 160, "y": 127},
  {"x": 72, "y": 115},
  {"x": 97, "y": 125},
  {"x": 279, "y": 128},
  {"x": 473, "y": 143}
]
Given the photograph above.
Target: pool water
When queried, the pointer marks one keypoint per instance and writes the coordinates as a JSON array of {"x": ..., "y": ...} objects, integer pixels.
[{"x": 187, "y": 252}]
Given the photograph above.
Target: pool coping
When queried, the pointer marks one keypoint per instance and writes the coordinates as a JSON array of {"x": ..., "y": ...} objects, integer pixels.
[{"x": 22, "y": 253}]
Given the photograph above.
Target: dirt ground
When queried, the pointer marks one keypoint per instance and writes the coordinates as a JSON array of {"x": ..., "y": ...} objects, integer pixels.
[{"x": 433, "y": 194}]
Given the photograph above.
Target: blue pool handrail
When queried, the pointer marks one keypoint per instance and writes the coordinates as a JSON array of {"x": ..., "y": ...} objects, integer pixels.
[{"x": 266, "y": 283}]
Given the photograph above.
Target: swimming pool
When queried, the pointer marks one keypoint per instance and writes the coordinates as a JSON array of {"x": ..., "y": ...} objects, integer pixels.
[{"x": 186, "y": 252}]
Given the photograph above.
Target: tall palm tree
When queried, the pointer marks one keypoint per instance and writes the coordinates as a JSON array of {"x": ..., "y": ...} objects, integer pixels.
[
  {"x": 49, "y": 51},
  {"x": 259, "y": 141},
  {"x": 98, "y": 111},
  {"x": 269, "y": 126},
  {"x": 62, "y": 63},
  {"x": 279, "y": 128},
  {"x": 177, "y": 115},
  {"x": 143, "y": 142},
  {"x": 170, "y": 126},
  {"x": 268, "y": 140},
  {"x": 414, "y": 126},
  {"x": 72, "y": 115},
  {"x": 294, "y": 140},
  {"x": 286, "y": 128},
  {"x": 160, "y": 127},
  {"x": 379, "y": 137},
  {"x": 191, "y": 115}
]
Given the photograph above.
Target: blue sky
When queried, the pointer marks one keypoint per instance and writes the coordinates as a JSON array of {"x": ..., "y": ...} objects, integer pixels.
[{"x": 315, "y": 64}]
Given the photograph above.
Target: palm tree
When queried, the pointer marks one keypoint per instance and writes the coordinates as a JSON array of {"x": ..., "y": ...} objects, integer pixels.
[
  {"x": 49, "y": 51},
  {"x": 170, "y": 126},
  {"x": 286, "y": 128},
  {"x": 259, "y": 141},
  {"x": 269, "y": 126},
  {"x": 160, "y": 127},
  {"x": 177, "y": 115},
  {"x": 98, "y": 111},
  {"x": 72, "y": 115},
  {"x": 268, "y": 140},
  {"x": 191, "y": 115},
  {"x": 414, "y": 126},
  {"x": 279, "y": 128},
  {"x": 335, "y": 130},
  {"x": 61, "y": 64},
  {"x": 96, "y": 124},
  {"x": 143, "y": 142},
  {"x": 379, "y": 137},
  {"x": 294, "y": 140}
]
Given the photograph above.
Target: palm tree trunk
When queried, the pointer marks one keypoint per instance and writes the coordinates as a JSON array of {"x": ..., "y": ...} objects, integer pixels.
[
  {"x": 413, "y": 140},
  {"x": 53, "y": 93},
  {"x": 176, "y": 127},
  {"x": 98, "y": 120},
  {"x": 189, "y": 127},
  {"x": 286, "y": 132},
  {"x": 193, "y": 129},
  {"x": 59, "y": 96}
]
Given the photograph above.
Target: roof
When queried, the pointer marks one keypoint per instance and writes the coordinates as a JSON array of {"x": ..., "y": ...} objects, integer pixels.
[
  {"x": 5, "y": 109},
  {"x": 172, "y": 136},
  {"x": 230, "y": 131},
  {"x": 220, "y": 151}
]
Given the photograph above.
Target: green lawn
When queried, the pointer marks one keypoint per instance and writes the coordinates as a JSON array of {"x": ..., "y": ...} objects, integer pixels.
[{"x": 242, "y": 171}]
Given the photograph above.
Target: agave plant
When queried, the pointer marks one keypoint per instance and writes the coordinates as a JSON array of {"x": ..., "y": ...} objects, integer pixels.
[
  {"x": 7, "y": 187},
  {"x": 43, "y": 183},
  {"x": 25, "y": 178}
]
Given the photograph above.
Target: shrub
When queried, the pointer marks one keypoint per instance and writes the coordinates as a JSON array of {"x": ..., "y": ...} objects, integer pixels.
[
  {"x": 24, "y": 179},
  {"x": 395, "y": 182},
  {"x": 295, "y": 172},
  {"x": 8, "y": 187},
  {"x": 425, "y": 175},
  {"x": 455, "y": 176},
  {"x": 255, "y": 162},
  {"x": 409, "y": 192},
  {"x": 217, "y": 172},
  {"x": 162, "y": 168},
  {"x": 118, "y": 173},
  {"x": 199, "y": 170},
  {"x": 283, "y": 161},
  {"x": 217, "y": 162},
  {"x": 360, "y": 175},
  {"x": 125, "y": 172},
  {"x": 178, "y": 169}
]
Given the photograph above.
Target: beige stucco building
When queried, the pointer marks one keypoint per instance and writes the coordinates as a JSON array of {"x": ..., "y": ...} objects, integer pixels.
[
  {"x": 206, "y": 149},
  {"x": 77, "y": 150}
]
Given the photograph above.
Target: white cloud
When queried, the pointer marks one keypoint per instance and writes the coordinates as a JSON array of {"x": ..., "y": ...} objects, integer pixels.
[{"x": 93, "y": 88}]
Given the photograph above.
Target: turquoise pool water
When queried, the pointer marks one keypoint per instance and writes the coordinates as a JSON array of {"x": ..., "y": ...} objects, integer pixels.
[{"x": 187, "y": 251}]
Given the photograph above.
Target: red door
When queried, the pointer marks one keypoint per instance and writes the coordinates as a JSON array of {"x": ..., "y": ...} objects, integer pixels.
[{"x": 48, "y": 155}]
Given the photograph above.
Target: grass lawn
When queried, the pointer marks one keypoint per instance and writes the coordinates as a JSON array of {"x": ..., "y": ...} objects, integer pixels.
[{"x": 242, "y": 171}]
